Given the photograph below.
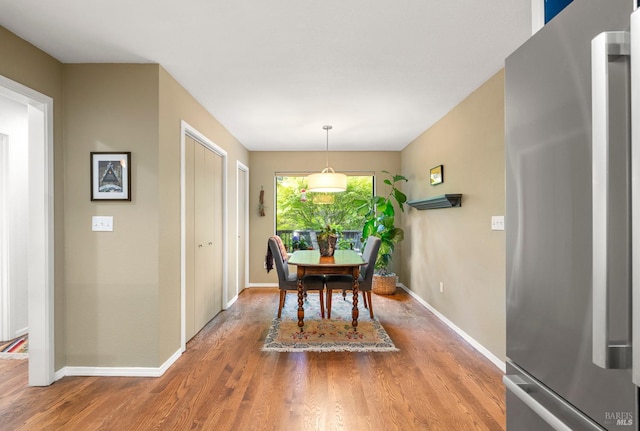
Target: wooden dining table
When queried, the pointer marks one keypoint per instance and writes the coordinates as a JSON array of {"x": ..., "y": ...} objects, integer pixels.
[{"x": 343, "y": 262}]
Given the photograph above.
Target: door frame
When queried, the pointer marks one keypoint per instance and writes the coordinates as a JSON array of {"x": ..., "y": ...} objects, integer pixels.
[
  {"x": 239, "y": 197},
  {"x": 537, "y": 15},
  {"x": 5, "y": 310},
  {"x": 187, "y": 130},
  {"x": 40, "y": 244}
]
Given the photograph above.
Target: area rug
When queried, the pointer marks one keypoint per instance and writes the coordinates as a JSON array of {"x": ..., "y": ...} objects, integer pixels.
[
  {"x": 326, "y": 335},
  {"x": 17, "y": 348}
]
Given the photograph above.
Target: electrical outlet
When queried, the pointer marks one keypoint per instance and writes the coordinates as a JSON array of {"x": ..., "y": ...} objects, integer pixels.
[
  {"x": 497, "y": 222},
  {"x": 441, "y": 287}
]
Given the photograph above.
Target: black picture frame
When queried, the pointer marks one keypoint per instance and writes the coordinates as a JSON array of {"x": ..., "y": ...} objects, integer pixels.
[
  {"x": 111, "y": 176},
  {"x": 436, "y": 175}
]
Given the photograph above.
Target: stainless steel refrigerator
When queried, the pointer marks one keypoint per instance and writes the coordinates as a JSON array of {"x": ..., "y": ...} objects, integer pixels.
[{"x": 573, "y": 183}]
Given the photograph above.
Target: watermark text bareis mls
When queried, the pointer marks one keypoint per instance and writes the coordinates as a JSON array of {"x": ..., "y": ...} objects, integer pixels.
[{"x": 618, "y": 418}]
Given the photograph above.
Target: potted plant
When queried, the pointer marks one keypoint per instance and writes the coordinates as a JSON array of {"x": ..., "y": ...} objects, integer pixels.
[
  {"x": 299, "y": 243},
  {"x": 327, "y": 238},
  {"x": 379, "y": 214}
]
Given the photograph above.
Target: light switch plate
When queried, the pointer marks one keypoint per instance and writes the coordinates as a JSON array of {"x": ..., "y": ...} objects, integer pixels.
[
  {"x": 497, "y": 222},
  {"x": 102, "y": 223}
]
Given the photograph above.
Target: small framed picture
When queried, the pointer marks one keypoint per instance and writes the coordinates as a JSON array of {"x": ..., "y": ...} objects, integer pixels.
[
  {"x": 110, "y": 176},
  {"x": 436, "y": 175}
]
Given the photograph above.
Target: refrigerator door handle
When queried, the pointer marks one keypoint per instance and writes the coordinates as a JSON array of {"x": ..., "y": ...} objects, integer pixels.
[
  {"x": 518, "y": 387},
  {"x": 606, "y": 353},
  {"x": 635, "y": 191}
]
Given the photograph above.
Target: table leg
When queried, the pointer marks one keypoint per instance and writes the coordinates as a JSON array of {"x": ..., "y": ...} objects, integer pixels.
[
  {"x": 300, "y": 299},
  {"x": 354, "y": 310}
]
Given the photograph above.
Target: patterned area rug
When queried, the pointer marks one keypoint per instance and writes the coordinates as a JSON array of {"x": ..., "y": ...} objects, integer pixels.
[
  {"x": 326, "y": 335},
  {"x": 17, "y": 348}
]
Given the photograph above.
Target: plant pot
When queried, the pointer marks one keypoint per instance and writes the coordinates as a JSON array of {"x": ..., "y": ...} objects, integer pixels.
[
  {"x": 327, "y": 245},
  {"x": 383, "y": 284}
]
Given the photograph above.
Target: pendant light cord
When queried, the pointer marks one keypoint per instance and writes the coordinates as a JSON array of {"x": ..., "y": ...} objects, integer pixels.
[{"x": 327, "y": 128}]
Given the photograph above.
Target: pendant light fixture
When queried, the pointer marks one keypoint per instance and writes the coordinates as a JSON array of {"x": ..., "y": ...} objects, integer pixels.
[{"x": 327, "y": 180}]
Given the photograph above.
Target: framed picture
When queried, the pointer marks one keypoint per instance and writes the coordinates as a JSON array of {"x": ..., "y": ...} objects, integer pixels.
[
  {"x": 110, "y": 176},
  {"x": 436, "y": 175}
]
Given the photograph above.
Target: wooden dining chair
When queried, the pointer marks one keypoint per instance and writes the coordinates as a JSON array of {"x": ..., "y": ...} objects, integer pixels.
[
  {"x": 345, "y": 282},
  {"x": 289, "y": 282}
]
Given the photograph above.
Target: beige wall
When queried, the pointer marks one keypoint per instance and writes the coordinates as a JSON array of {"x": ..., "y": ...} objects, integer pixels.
[
  {"x": 265, "y": 164},
  {"x": 123, "y": 288},
  {"x": 24, "y": 63},
  {"x": 112, "y": 277},
  {"x": 456, "y": 245}
]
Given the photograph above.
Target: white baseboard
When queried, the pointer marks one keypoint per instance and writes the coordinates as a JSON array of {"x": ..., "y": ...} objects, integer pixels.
[
  {"x": 231, "y": 302},
  {"x": 263, "y": 284},
  {"x": 479, "y": 347},
  {"x": 118, "y": 371}
]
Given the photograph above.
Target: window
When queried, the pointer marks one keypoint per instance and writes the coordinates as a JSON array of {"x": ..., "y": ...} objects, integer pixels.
[{"x": 300, "y": 214}]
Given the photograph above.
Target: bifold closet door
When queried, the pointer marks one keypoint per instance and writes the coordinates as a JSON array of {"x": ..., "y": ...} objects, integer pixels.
[
  {"x": 203, "y": 178},
  {"x": 216, "y": 162},
  {"x": 204, "y": 254},
  {"x": 190, "y": 286}
]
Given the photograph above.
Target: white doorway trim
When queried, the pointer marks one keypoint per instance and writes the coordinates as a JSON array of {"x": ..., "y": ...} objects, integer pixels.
[
  {"x": 537, "y": 15},
  {"x": 40, "y": 244},
  {"x": 242, "y": 231},
  {"x": 4, "y": 239},
  {"x": 188, "y": 130}
]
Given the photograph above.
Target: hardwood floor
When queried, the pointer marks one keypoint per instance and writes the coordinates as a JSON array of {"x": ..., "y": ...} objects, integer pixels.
[{"x": 225, "y": 382}]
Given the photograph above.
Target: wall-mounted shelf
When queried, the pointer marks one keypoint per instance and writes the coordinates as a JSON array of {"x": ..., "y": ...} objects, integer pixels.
[{"x": 441, "y": 201}]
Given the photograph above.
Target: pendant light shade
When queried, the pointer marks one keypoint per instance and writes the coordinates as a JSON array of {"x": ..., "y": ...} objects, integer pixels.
[{"x": 327, "y": 181}]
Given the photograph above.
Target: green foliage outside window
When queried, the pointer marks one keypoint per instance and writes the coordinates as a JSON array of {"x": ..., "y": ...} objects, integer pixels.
[{"x": 293, "y": 213}]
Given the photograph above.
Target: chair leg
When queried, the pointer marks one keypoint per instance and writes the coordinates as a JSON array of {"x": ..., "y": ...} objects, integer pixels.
[
  {"x": 344, "y": 295},
  {"x": 367, "y": 294},
  {"x": 364, "y": 299},
  {"x": 321, "y": 293},
  {"x": 329, "y": 295},
  {"x": 282, "y": 295}
]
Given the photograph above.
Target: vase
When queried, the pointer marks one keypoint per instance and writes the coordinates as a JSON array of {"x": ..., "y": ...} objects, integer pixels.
[{"x": 327, "y": 245}]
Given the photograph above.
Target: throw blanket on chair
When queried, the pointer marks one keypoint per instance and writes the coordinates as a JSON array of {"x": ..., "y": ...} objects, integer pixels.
[{"x": 269, "y": 257}]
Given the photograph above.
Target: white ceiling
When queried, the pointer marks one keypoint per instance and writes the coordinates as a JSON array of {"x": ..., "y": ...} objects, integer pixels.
[{"x": 273, "y": 72}]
